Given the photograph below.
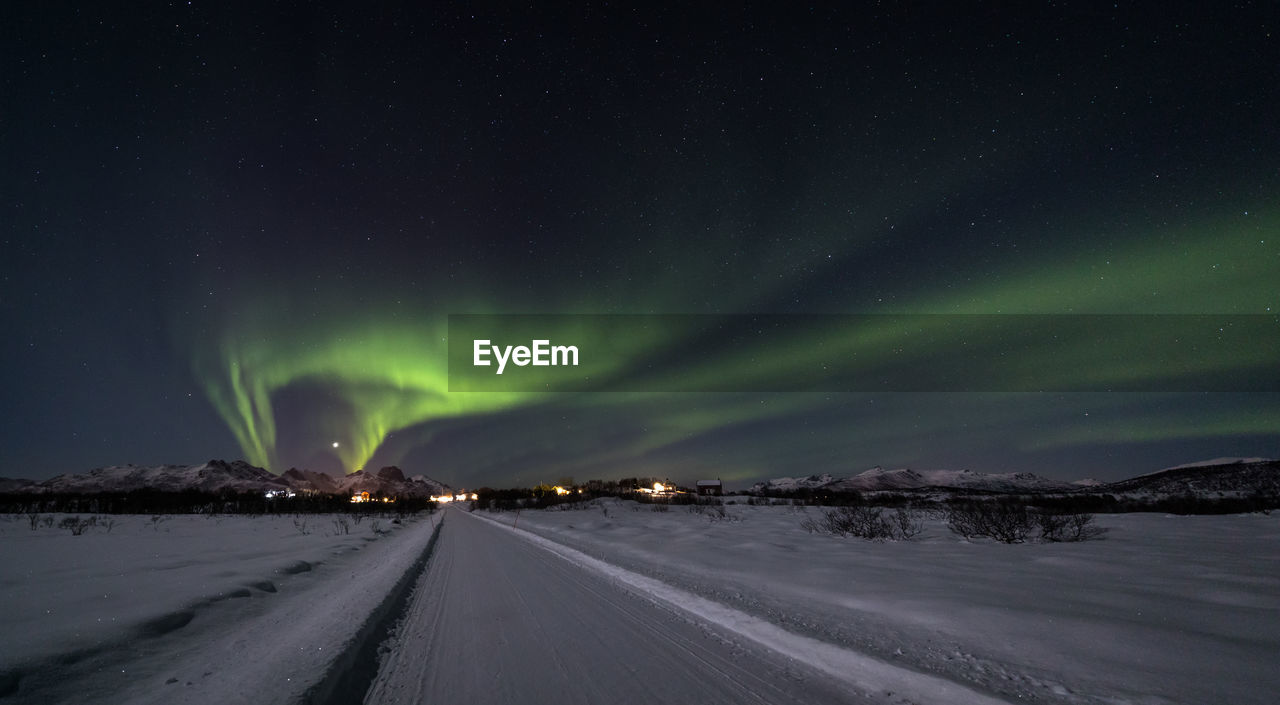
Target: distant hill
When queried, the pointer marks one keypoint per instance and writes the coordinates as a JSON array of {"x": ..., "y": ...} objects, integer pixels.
[
  {"x": 1223, "y": 476},
  {"x": 1218, "y": 477},
  {"x": 879, "y": 479},
  {"x": 221, "y": 475},
  {"x": 14, "y": 485}
]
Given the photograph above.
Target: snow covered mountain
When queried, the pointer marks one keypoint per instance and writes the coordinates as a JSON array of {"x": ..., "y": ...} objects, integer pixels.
[
  {"x": 234, "y": 476},
  {"x": 213, "y": 476},
  {"x": 878, "y": 479}
]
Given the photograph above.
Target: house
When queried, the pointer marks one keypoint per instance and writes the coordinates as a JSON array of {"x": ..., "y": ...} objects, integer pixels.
[{"x": 710, "y": 488}]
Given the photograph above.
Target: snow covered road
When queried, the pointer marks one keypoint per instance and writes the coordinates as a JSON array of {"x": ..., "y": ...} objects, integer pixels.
[{"x": 499, "y": 617}]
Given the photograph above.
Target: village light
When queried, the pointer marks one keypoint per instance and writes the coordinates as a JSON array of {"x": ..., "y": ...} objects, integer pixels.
[{"x": 657, "y": 487}]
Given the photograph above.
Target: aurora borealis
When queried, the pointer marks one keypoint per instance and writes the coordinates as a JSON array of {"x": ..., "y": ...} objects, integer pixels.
[{"x": 240, "y": 231}]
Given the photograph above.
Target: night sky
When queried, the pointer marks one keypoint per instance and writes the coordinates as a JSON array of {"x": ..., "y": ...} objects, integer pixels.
[{"x": 237, "y": 232}]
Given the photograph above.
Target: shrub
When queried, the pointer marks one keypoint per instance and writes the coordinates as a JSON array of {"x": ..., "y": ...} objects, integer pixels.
[
  {"x": 1068, "y": 527},
  {"x": 906, "y": 523},
  {"x": 1007, "y": 522},
  {"x": 717, "y": 512},
  {"x": 861, "y": 521},
  {"x": 866, "y": 522},
  {"x": 75, "y": 525}
]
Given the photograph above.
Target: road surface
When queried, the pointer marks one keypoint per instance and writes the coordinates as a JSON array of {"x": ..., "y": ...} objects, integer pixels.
[{"x": 497, "y": 619}]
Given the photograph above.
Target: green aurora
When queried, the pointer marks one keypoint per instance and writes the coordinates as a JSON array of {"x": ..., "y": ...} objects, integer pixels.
[{"x": 386, "y": 376}]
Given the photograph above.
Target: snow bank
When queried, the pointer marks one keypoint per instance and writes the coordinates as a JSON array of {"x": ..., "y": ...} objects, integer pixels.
[{"x": 190, "y": 609}]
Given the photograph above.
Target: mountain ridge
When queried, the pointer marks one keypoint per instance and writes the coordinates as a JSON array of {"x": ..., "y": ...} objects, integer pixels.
[{"x": 221, "y": 475}]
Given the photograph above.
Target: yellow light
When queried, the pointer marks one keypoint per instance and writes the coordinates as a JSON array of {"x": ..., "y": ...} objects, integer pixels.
[
  {"x": 560, "y": 490},
  {"x": 657, "y": 487}
]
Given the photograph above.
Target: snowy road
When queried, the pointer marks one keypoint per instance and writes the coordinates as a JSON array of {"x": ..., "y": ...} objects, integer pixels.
[{"x": 500, "y": 619}]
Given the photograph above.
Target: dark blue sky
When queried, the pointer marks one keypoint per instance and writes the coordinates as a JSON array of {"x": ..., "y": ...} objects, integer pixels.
[{"x": 233, "y": 230}]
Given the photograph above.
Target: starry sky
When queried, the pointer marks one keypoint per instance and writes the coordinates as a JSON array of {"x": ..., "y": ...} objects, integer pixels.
[{"x": 238, "y": 230}]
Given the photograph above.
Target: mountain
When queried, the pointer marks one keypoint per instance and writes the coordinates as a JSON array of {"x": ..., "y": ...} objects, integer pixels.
[
  {"x": 221, "y": 475},
  {"x": 879, "y": 479},
  {"x": 1234, "y": 476},
  {"x": 390, "y": 481},
  {"x": 791, "y": 484}
]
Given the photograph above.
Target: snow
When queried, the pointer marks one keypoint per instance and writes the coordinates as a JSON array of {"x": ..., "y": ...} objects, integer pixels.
[
  {"x": 1164, "y": 610},
  {"x": 190, "y": 608},
  {"x": 619, "y": 603}
]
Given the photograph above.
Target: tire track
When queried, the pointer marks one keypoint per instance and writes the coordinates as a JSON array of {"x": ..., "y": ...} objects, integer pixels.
[{"x": 352, "y": 673}]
